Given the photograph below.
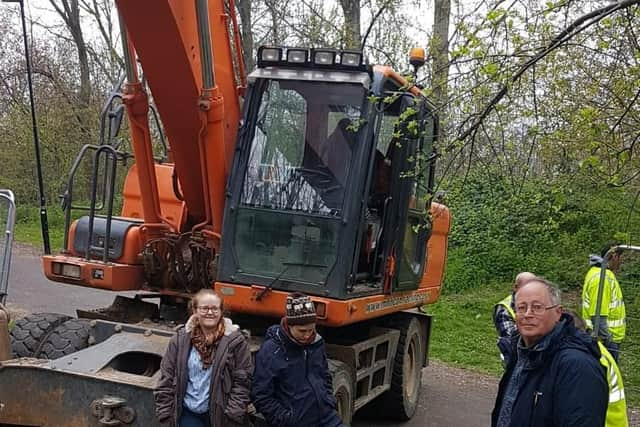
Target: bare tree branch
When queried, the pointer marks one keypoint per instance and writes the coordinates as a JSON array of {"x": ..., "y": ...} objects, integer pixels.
[{"x": 575, "y": 28}]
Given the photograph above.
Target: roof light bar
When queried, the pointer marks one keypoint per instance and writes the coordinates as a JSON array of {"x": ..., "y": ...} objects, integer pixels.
[{"x": 300, "y": 57}]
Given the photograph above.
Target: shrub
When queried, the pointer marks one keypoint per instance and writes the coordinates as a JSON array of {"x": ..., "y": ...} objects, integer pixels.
[{"x": 546, "y": 228}]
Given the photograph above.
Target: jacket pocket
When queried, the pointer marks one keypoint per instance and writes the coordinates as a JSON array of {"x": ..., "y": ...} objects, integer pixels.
[{"x": 227, "y": 382}]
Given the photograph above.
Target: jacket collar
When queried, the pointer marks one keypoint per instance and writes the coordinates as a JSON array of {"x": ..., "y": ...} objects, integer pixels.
[
  {"x": 277, "y": 334},
  {"x": 563, "y": 336}
]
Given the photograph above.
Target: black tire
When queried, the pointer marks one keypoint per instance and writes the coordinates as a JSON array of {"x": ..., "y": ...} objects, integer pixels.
[
  {"x": 343, "y": 392},
  {"x": 69, "y": 337},
  {"x": 29, "y": 332},
  {"x": 401, "y": 401}
]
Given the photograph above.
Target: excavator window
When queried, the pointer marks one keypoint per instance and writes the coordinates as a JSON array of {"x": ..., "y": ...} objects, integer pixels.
[
  {"x": 293, "y": 164},
  {"x": 288, "y": 220}
]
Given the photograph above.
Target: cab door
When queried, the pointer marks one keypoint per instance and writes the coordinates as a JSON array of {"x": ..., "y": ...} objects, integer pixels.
[{"x": 412, "y": 167}]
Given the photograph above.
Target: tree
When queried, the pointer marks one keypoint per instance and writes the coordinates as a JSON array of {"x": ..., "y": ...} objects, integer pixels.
[
  {"x": 351, "y": 11},
  {"x": 69, "y": 11},
  {"x": 106, "y": 56},
  {"x": 440, "y": 52},
  {"x": 244, "y": 10}
]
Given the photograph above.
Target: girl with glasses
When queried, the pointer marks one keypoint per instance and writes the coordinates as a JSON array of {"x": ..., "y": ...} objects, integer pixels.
[{"x": 206, "y": 370}]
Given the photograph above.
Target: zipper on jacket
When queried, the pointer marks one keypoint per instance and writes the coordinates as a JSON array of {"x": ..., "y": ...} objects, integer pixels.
[{"x": 536, "y": 396}]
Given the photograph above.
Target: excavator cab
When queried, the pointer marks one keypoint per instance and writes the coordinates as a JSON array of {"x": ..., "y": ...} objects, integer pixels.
[{"x": 329, "y": 190}]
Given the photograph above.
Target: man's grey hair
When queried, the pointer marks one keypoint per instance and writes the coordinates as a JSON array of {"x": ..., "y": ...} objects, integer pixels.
[
  {"x": 522, "y": 279},
  {"x": 555, "y": 294}
]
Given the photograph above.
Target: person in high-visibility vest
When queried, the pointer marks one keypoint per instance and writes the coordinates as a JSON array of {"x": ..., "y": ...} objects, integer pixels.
[
  {"x": 504, "y": 316},
  {"x": 617, "y": 408},
  {"x": 612, "y": 325}
]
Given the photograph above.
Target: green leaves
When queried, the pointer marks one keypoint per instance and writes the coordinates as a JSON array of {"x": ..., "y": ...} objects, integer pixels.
[
  {"x": 496, "y": 15},
  {"x": 548, "y": 227},
  {"x": 490, "y": 69}
]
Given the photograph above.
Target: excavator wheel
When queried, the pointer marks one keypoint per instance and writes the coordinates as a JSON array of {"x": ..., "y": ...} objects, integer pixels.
[
  {"x": 342, "y": 390},
  {"x": 401, "y": 401},
  {"x": 69, "y": 337},
  {"x": 29, "y": 332}
]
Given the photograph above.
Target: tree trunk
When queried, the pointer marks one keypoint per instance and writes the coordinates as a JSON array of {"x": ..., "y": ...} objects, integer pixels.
[
  {"x": 69, "y": 11},
  {"x": 351, "y": 11},
  {"x": 440, "y": 52},
  {"x": 244, "y": 9}
]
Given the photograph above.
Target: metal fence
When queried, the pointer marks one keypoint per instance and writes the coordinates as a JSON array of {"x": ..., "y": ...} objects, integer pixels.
[{"x": 7, "y": 222}]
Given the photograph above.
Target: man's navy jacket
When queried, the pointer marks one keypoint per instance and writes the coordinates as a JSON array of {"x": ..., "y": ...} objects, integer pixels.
[{"x": 563, "y": 383}]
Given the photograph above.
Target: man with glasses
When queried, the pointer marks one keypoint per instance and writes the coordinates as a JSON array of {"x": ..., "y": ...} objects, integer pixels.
[{"x": 556, "y": 379}]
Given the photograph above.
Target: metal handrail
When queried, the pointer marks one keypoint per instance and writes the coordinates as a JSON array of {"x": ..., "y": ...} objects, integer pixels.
[
  {"x": 8, "y": 197},
  {"x": 111, "y": 157}
]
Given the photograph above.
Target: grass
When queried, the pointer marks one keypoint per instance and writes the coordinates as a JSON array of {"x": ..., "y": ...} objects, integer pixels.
[
  {"x": 463, "y": 332},
  {"x": 464, "y": 335},
  {"x": 28, "y": 229}
]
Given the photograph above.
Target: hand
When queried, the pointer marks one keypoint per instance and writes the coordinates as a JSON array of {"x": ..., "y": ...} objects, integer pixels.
[{"x": 5, "y": 312}]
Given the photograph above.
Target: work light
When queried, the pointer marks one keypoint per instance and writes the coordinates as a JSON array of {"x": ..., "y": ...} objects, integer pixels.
[
  {"x": 297, "y": 56},
  {"x": 351, "y": 58},
  {"x": 269, "y": 55},
  {"x": 323, "y": 56}
]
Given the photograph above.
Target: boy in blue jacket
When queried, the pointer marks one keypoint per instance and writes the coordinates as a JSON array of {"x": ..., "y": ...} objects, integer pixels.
[{"x": 292, "y": 385}]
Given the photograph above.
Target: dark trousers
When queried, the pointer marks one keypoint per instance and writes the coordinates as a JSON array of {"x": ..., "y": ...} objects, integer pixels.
[
  {"x": 614, "y": 349},
  {"x": 191, "y": 419}
]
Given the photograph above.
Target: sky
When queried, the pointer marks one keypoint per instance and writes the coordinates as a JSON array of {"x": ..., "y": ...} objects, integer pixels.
[{"x": 43, "y": 15}]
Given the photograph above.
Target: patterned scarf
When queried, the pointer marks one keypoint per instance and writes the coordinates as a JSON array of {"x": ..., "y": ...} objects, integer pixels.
[{"x": 206, "y": 348}]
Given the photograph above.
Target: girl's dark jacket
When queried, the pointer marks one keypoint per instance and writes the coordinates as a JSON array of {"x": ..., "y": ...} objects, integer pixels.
[
  {"x": 563, "y": 383},
  {"x": 292, "y": 384},
  {"x": 230, "y": 379}
]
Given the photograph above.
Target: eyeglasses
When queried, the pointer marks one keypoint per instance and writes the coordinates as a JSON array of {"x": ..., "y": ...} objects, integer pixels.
[
  {"x": 535, "y": 308},
  {"x": 205, "y": 309}
]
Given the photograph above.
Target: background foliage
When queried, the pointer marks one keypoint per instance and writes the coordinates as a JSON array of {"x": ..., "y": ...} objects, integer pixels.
[{"x": 547, "y": 227}]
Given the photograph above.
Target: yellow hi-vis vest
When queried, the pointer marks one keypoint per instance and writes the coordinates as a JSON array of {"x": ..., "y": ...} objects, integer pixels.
[
  {"x": 617, "y": 408},
  {"x": 612, "y": 304},
  {"x": 507, "y": 304}
]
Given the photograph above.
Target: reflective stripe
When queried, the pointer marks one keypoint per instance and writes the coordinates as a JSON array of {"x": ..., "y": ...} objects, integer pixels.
[
  {"x": 596, "y": 274},
  {"x": 616, "y": 303},
  {"x": 613, "y": 380},
  {"x": 616, "y": 323},
  {"x": 616, "y": 396}
]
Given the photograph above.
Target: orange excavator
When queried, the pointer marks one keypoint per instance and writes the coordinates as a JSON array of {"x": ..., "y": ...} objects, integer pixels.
[{"x": 314, "y": 174}]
